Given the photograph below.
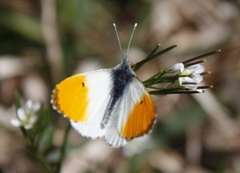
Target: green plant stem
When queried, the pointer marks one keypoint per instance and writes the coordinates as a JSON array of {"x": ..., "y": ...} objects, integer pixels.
[
  {"x": 154, "y": 77},
  {"x": 151, "y": 56},
  {"x": 63, "y": 149},
  {"x": 139, "y": 64},
  {"x": 42, "y": 160},
  {"x": 164, "y": 92},
  {"x": 200, "y": 56},
  {"x": 35, "y": 151},
  {"x": 157, "y": 78}
]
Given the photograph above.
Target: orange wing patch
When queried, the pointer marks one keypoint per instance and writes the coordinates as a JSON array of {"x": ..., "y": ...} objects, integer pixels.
[
  {"x": 140, "y": 119},
  {"x": 70, "y": 97}
]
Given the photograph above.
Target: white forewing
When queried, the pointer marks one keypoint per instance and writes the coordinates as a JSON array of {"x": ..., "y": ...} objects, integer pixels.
[{"x": 99, "y": 83}]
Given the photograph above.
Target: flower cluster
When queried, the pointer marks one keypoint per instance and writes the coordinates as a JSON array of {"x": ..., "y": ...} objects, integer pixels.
[
  {"x": 184, "y": 77},
  {"x": 188, "y": 77},
  {"x": 26, "y": 115}
]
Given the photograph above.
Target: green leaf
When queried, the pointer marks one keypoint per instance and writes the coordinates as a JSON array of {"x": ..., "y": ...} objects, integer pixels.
[
  {"x": 152, "y": 56},
  {"x": 43, "y": 131}
]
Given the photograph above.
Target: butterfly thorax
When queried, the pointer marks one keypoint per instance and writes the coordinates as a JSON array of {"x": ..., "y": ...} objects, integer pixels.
[{"x": 121, "y": 75}]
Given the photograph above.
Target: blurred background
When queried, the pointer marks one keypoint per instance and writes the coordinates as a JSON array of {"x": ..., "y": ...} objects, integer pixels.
[{"x": 44, "y": 41}]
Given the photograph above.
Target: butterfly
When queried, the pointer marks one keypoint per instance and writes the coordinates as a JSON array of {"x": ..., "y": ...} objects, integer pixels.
[{"x": 112, "y": 104}]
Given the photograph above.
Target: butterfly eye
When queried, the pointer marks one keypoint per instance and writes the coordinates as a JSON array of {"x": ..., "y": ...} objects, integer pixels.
[
  {"x": 83, "y": 84},
  {"x": 141, "y": 102}
]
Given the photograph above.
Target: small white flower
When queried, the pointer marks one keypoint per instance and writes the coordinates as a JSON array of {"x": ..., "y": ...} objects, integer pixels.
[
  {"x": 26, "y": 116},
  {"x": 188, "y": 77},
  {"x": 179, "y": 67},
  {"x": 191, "y": 77},
  {"x": 195, "y": 69},
  {"x": 188, "y": 83}
]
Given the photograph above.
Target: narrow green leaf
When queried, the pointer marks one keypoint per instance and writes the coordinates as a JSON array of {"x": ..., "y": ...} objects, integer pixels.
[{"x": 152, "y": 56}]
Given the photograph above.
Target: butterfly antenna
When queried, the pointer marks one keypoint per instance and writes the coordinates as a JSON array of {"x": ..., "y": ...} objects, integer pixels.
[
  {"x": 129, "y": 43},
  {"x": 120, "y": 46}
]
